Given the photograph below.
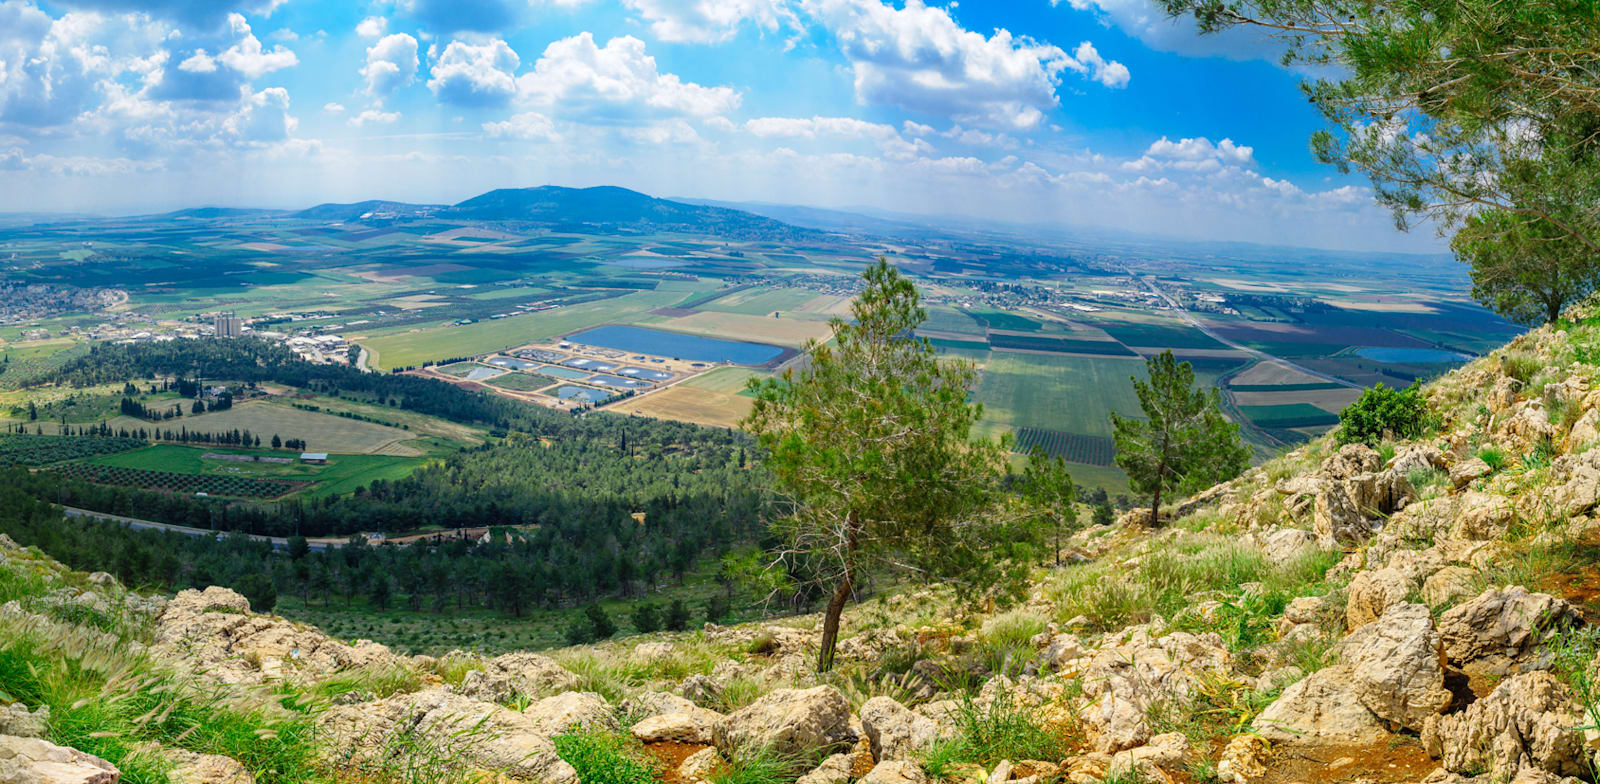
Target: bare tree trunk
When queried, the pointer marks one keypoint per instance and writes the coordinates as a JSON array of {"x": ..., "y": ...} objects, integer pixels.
[{"x": 830, "y": 622}]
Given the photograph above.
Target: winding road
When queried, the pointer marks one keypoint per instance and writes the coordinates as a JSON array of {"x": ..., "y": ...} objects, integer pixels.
[{"x": 277, "y": 542}]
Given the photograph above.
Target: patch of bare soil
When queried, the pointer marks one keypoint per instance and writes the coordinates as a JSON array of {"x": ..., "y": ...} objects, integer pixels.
[
  {"x": 1398, "y": 760},
  {"x": 669, "y": 755}
]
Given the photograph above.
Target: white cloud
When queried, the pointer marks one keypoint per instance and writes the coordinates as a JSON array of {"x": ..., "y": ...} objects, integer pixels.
[
  {"x": 475, "y": 74},
  {"x": 248, "y": 58},
  {"x": 615, "y": 83},
  {"x": 920, "y": 59},
  {"x": 333, "y": 108},
  {"x": 709, "y": 21},
  {"x": 528, "y": 126},
  {"x": 1111, "y": 74},
  {"x": 391, "y": 64},
  {"x": 372, "y": 27},
  {"x": 670, "y": 132},
  {"x": 1193, "y": 154},
  {"x": 262, "y": 118},
  {"x": 373, "y": 116}
]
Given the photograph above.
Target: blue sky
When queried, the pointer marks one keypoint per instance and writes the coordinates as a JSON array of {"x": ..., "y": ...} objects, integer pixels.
[{"x": 1086, "y": 112}]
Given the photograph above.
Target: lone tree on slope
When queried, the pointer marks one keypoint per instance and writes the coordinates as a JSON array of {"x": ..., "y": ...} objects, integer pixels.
[
  {"x": 871, "y": 446},
  {"x": 1183, "y": 442}
]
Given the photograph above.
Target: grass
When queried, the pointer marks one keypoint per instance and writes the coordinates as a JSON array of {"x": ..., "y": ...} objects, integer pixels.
[
  {"x": 321, "y": 432},
  {"x": 602, "y": 757},
  {"x": 762, "y": 766},
  {"x": 1027, "y": 390},
  {"x": 999, "y": 730}
]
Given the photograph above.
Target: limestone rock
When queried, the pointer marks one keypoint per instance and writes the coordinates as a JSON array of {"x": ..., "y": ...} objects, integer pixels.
[
  {"x": 653, "y": 651},
  {"x": 1323, "y": 708},
  {"x": 896, "y": 732},
  {"x": 568, "y": 711},
  {"x": 1577, "y": 490},
  {"x": 16, "y": 720},
  {"x": 191, "y": 768},
  {"x": 215, "y": 630},
  {"x": 1151, "y": 761},
  {"x": 1305, "y": 609},
  {"x": 700, "y": 765},
  {"x": 1337, "y": 521},
  {"x": 526, "y": 675},
  {"x": 895, "y": 772},
  {"x": 1396, "y": 666},
  {"x": 676, "y": 727},
  {"x": 35, "y": 761},
  {"x": 1501, "y": 632},
  {"x": 1448, "y": 585},
  {"x": 1244, "y": 760},
  {"x": 789, "y": 721},
  {"x": 1371, "y": 593},
  {"x": 1350, "y": 461},
  {"x": 1136, "y": 671},
  {"x": 701, "y": 690},
  {"x": 1584, "y": 432},
  {"x": 1288, "y": 545},
  {"x": 1527, "y": 721},
  {"x": 1484, "y": 517},
  {"x": 487, "y": 735},
  {"x": 1464, "y": 472}
]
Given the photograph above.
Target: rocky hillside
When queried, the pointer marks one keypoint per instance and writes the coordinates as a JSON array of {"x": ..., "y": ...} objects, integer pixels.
[{"x": 1411, "y": 612}]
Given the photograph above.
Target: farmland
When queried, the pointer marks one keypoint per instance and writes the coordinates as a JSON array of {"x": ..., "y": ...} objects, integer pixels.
[
  {"x": 227, "y": 486},
  {"x": 322, "y": 432},
  {"x": 36, "y": 450},
  {"x": 341, "y": 474}
]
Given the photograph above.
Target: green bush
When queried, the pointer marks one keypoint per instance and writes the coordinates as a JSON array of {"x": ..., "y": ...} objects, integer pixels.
[
  {"x": 646, "y": 618},
  {"x": 603, "y": 758},
  {"x": 677, "y": 616},
  {"x": 1382, "y": 411}
]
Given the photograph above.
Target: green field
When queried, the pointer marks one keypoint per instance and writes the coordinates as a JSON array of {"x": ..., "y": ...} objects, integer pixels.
[
  {"x": 729, "y": 380},
  {"x": 342, "y": 474},
  {"x": 519, "y": 382},
  {"x": 1289, "y": 415},
  {"x": 1069, "y": 394},
  {"x": 426, "y": 345},
  {"x": 321, "y": 432},
  {"x": 760, "y": 302}
]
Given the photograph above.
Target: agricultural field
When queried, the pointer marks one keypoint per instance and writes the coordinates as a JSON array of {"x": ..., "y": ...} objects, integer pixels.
[
  {"x": 789, "y": 332},
  {"x": 146, "y": 479},
  {"x": 342, "y": 473},
  {"x": 322, "y": 432},
  {"x": 36, "y": 450}
]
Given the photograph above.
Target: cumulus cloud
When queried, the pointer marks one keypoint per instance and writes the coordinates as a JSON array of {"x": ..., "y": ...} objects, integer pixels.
[
  {"x": 372, "y": 27},
  {"x": 618, "y": 82},
  {"x": 333, "y": 108},
  {"x": 373, "y": 116},
  {"x": 475, "y": 74},
  {"x": 247, "y": 56},
  {"x": 261, "y": 118},
  {"x": 528, "y": 126},
  {"x": 811, "y": 128},
  {"x": 920, "y": 59},
  {"x": 1196, "y": 154},
  {"x": 52, "y": 71},
  {"x": 709, "y": 21},
  {"x": 391, "y": 64}
]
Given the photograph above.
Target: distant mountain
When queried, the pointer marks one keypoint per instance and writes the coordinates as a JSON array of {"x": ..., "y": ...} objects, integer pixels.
[
  {"x": 888, "y": 224},
  {"x": 371, "y": 207},
  {"x": 613, "y": 208}
]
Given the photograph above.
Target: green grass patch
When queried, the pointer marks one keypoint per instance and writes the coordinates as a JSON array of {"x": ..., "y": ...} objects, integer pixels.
[{"x": 1289, "y": 415}]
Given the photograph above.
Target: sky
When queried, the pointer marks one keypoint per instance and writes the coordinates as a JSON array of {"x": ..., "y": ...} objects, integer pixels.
[{"x": 1095, "y": 113}]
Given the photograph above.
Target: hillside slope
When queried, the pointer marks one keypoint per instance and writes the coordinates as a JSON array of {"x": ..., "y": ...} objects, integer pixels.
[
  {"x": 617, "y": 208},
  {"x": 1413, "y": 612}
]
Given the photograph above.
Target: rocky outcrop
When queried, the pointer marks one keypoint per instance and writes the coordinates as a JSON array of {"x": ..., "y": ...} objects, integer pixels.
[
  {"x": 485, "y": 735},
  {"x": 895, "y": 772},
  {"x": 1322, "y": 708},
  {"x": 525, "y": 675},
  {"x": 1501, "y": 632},
  {"x": 1372, "y": 593},
  {"x": 1134, "y": 672},
  {"x": 1526, "y": 722},
  {"x": 1449, "y": 585},
  {"x": 16, "y": 720},
  {"x": 894, "y": 731},
  {"x": 1396, "y": 666},
  {"x": 833, "y": 770},
  {"x": 35, "y": 761},
  {"x": 788, "y": 721},
  {"x": 215, "y": 630}
]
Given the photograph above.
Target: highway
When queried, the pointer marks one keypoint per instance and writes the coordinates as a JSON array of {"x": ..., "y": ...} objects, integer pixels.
[{"x": 1261, "y": 355}]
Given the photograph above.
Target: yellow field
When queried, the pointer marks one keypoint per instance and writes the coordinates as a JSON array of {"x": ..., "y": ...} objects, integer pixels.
[
  {"x": 733, "y": 326},
  {"x": 1331, "y": 400},
  {"x": 687, "y": 404},
  {"x": 1273, "y": 373}
]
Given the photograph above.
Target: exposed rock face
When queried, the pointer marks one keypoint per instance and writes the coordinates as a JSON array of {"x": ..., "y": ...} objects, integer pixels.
[
  {"x": 17, "y": 721},
  {"x": 1500, "y": 632},
  {"x": 1448, "y": 585},
  {"x": 1526, "y": 722},
  {"x": 1464, "y": 472},
  {"x": 1244, "y": 759},
  {"x": 1130, "y": 675},
  {"x": 1397, "y": 667},
  {"x": 214, "y": 630},
  {"x": 1288, "y": 544},
  {"x": 833, "y": 770},
  {"x": 896, "y": 732},
  {"x": 191, "y": 768},
  {"x": 895, "y": 772},
  {"x": 513, "y": 675},
  {"x": 1323, "y": 708},
  {"x": 35, "y": 761},
  {"x": 488, "y": 736},
  {"x": 1371, "y": 593},
  {"x": 677, "y": 727},
  {"x": 1151, "y": 761},
  {"x": 789, "y": 721},
  {"x": 1577, "y": 479}
]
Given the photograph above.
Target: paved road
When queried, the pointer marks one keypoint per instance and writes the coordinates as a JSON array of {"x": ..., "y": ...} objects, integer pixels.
[
  {"x": 277, "y": 542},
  {"x": 1261, "y": 355}
]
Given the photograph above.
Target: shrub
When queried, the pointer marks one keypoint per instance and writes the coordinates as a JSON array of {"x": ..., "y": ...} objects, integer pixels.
[
  {"x": 1492, "y": 457},
  {"x": 646, "y": 618},
  {"x": 1521, "y": 365},
  {"x": 717, "y": 608},
  {"x": 677, "y": 616},
  {"x": 1381, "y": 412},
  {"x": 258, "y": 588},
  {"x": 603, "y": 758}
]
